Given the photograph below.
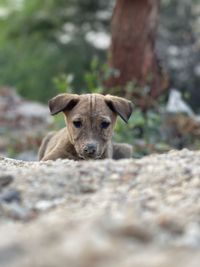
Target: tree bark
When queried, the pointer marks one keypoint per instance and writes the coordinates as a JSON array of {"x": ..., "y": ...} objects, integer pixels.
[{"x": 132, "y": 54}]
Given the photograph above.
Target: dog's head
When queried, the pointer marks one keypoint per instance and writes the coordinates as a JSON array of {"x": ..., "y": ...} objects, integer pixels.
[{"x": 90, "y": 120}]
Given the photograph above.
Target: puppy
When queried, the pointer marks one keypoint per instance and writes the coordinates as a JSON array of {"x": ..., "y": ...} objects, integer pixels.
[{"x": 90, "y": 120}]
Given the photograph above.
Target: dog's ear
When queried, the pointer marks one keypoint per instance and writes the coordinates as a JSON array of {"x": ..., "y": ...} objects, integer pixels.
[
  {"x": 119, "y": 105},
  {"x": 62, "y": 102}
]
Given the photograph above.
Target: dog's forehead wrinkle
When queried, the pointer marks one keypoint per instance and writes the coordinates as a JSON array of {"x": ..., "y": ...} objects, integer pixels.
[
  {"x": 77, "y": 117},
  {"x": 100, "y": 117},
  {"x": 91, "y": 106},
  {"x": 93, "y": 101}
]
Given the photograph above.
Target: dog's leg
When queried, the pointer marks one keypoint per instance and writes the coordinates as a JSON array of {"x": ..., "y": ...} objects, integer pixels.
[
  {"x": 122, "y": 151},
  {"x": 60, "y": 150},
  {"x": 57, "y": 153},
  {"x": 108, "y": 154},
  {"x": 44, "y": 144}
]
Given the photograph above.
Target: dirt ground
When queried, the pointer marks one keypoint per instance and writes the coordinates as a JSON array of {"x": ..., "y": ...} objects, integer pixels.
[{"x": 101, "y": 213}]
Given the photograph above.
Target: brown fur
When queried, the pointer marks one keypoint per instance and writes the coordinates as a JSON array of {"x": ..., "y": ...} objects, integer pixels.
[{"x": 90, "y": 120}]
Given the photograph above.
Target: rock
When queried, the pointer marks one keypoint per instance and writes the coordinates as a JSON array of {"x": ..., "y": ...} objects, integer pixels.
[
  {"x": 101, "y": 213},
  {"x": 176, "y": 104},
  {"x": 131, "y": 230},
  {"x": 18, "y": 112},
  {"x": 16, "y": 211},
  {"x": 23, "y": 124},
  {"x": 10, "y": 195},
  {"x": 5, "y": 180}
]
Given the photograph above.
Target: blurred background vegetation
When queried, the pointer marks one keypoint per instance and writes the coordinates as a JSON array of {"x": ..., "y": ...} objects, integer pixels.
[
  {"x": 41, "y": 40},
  {"x": 53, "y": 46}
]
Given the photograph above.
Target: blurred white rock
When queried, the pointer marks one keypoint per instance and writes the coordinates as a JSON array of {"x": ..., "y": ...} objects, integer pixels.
[{"x": 176, "y": 104}]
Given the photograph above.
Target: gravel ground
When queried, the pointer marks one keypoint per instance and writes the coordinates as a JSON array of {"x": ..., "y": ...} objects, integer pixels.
[{"x": 101, "y": 213}]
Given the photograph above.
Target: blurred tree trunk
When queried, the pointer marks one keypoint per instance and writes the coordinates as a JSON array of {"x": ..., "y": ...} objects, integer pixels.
[{"x": 132, "y": 55}]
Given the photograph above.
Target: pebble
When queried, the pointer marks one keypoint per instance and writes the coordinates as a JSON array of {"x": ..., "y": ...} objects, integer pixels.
[
  {"x": 88, "y": 185},
  {"x": 10, "y": 195},
  {"x": 44, "y": 205},
  {"x": 5, "y": 180},
  {"x": 17, "y": 212},
  {"x": 171, "y": 224},
  {"x": 131, "y": 230}
]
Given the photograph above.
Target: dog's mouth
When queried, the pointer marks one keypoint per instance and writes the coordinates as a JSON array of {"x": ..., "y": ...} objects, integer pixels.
[{"x": 89, "y": 157}]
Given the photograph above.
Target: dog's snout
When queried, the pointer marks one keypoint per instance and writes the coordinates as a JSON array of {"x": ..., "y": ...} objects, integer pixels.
[{"x": 90, "y": 149}]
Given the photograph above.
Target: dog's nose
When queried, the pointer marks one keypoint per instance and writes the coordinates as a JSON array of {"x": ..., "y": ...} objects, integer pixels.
[{"x": 90, "y": 149}]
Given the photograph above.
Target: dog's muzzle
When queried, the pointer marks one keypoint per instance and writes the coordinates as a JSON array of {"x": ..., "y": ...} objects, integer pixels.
[{"x": 90, "y": 150}]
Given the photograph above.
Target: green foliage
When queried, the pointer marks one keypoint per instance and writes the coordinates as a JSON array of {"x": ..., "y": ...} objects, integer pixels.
[
  {"x": 63, "y": 83},
  {"x": 40, "y": 40},
  {"x": 95, "y": 76},
  {"x": 93, "y": 79},
  {"x": 22, "y": 64},
  {"x": 59, "y": 121},
  {"x": 142, "y": 131}
]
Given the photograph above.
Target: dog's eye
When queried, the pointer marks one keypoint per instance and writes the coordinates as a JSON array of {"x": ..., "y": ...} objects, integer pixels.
[
  {"x": 77, "y": 124},
  {"x": 104, "y": 124}
]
